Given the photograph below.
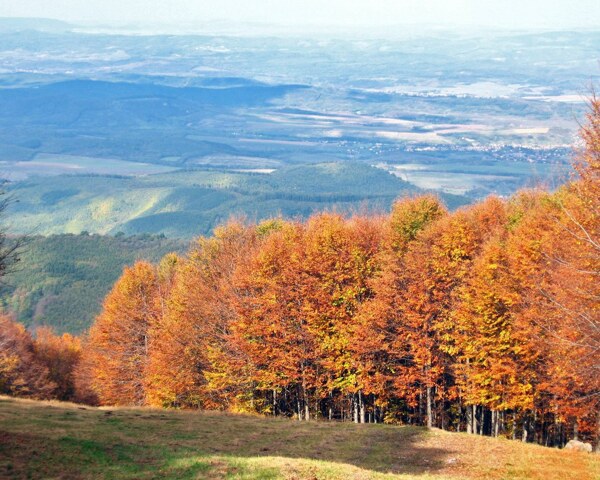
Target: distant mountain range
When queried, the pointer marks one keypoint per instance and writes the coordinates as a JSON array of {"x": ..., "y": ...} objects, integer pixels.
[{"x": 16, "y": 24}]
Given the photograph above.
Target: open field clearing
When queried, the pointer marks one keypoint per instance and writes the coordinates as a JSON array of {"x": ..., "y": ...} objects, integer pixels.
[{"x": 66, "y": 441}]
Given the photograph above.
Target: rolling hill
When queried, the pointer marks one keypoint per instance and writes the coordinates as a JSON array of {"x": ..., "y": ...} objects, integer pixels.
[
  {"x": 139, "y": 122},
  {"x": 187, "y": 203},
  {"x": 64, "y": 275}
]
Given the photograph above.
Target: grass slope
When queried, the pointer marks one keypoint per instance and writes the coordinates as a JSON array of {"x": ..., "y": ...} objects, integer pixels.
[
  {"x": 61, "y": 280},
  {"x": 55, "y": 440}
]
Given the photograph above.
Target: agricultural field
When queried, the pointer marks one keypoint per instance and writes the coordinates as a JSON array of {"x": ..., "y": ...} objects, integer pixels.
[{"x": 462, "y": 115}]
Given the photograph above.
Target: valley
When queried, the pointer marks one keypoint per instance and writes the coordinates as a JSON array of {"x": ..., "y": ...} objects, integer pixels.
[{"x": 463, "y": 115}]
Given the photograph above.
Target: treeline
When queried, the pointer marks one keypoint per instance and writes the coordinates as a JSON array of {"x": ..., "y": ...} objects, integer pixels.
[{"x": 483, "y": 320}]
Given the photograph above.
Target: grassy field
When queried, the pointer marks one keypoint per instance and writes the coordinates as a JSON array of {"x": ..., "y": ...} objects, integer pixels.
[{"x": 53, "y": 440}]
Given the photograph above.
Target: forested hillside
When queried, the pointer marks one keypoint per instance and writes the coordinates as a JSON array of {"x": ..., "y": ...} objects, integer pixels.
[
  {"x": 62, "y": 279},
  {"x": 483, "y": 320},
  {"x": 191, "y": 203}
]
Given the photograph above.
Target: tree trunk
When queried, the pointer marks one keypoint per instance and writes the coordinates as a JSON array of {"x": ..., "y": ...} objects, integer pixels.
[
  {"x": 305, "y": 399},
  {"x": 514, "y": 426},
  {"x": 469, "y": 419},
  {"x": 481, "y": 420},
  {"x": 429, "y": 411},
  {"x": 495, "y": 422},
  {"x": 361, "y": 404}
]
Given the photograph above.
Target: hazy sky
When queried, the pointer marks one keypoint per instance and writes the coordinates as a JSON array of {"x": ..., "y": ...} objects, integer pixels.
[{"x": 517, "y": 14}]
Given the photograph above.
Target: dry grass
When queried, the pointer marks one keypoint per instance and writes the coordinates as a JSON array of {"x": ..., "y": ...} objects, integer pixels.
[{"x": 53, "y": 440}]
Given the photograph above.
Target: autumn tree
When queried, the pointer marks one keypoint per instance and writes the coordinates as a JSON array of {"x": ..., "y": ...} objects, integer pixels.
[
  {"x": 197, "y": 312},
  {"x": 435, "y": 266},
  {"x": 117, "y": 349},
  {"x": 269, "y": 333},
  {"x": 60, "y": 355},
  {"x": 572, "y": 291},
  {"x": 495, "y": 353},
  {"x": 381, "y": 343},
  {"x": 577, "y": 266},
  {"x": 21, "y": 373}
]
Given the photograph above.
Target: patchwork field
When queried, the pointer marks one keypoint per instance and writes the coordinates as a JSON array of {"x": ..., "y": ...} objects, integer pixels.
[
  {"x": 51, "y": 164},
  {"x": 260, "y": 116},
  {"x": 54, "y": 440}
]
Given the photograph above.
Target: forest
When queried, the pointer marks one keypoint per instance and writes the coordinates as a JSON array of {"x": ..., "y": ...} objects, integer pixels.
[
  {"x": 484, "y": 320},
  {"x": 61, "y": 280}
]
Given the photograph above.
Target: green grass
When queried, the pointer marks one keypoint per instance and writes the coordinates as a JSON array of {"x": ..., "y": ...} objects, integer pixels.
[{"x": 54, "y": 440}]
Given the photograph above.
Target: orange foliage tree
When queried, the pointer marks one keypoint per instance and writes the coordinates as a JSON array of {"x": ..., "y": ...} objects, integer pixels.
[
  {"x": 195, "y": 322},
  {"x": 116, "y": 351},
  {"x": 60, "y": 355},
  {"x": 484, "y": 319},
  {"x": 21, "y": 372}
]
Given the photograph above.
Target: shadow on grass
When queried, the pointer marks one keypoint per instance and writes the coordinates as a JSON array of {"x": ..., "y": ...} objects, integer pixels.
[
  {"x": 301, "y": 456},
  {"x": 384, "y": 449},
  {"x": 375, "y": 450},
  {"x": 56, "y": 442}
]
